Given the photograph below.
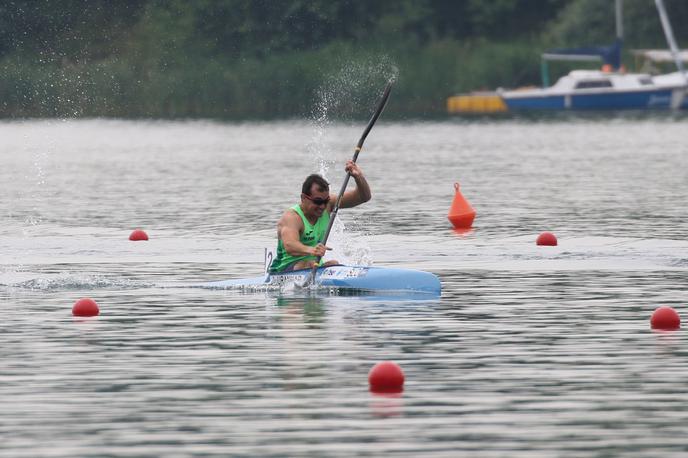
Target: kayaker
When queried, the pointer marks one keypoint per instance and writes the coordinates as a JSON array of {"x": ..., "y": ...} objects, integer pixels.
[{"x": 303, "y": 226}]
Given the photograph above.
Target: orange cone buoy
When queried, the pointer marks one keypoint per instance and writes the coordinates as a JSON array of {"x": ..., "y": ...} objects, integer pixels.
[
  {"x": 138, "y": 235},
  {"x": 461, "y": 214},
  {"x": 547, "y": 239},
  {"x": 85, "y": 307},
  {"x": 386, "y": 376},
  {"x": 666, "y": 319}
]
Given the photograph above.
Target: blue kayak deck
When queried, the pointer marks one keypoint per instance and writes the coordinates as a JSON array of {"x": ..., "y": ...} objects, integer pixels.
[{"x": 343, "y": 277}]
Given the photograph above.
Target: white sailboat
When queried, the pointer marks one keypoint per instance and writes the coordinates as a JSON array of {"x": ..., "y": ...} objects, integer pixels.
[{"x": 608, "y": 89}]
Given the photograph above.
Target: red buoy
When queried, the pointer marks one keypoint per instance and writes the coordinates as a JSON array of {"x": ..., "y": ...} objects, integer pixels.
[
  {"x": 461, "y": 214},
  {"x": 137, "y": 235},
  {"x": 85, "y": 307},
  {"x": 666, "y": 319},
  {"x": 386, "y": 376},
  {"x": 546, "y": 238}
]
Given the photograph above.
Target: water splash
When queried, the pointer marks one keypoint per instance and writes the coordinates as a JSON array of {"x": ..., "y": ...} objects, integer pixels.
[
  {"x": 350, "y": 90},
  {"x": 281, "y": 286},
  {"x": 36, "y": 176},
  {"x": 353, "y": 88},
  {"x": 64, "y": 281}
]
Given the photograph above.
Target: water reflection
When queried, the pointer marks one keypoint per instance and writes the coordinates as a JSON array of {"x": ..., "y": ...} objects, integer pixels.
[
  {"x": 462, "y": 232},
  {"x": 310, "y": 308},
  {"x": 386, "y": 404}
]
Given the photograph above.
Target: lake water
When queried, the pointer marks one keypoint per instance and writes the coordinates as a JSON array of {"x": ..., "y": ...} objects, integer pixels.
[{"x": 529, "y": 352}]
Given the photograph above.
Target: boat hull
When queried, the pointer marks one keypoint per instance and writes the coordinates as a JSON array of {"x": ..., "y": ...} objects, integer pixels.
[
  {"x": 630, "y": 100},
  {"x": 344, "y": 277}
]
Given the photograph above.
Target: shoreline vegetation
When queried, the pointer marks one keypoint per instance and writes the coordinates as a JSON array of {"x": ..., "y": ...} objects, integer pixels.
[{"x": 242, "y": 59}]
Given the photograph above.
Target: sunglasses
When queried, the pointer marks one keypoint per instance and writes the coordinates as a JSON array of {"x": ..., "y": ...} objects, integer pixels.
[{"x": 317, "y": 200}]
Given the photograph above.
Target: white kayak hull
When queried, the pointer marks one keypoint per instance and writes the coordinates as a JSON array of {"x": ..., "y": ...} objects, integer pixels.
[{"x": 344, "y": 277}]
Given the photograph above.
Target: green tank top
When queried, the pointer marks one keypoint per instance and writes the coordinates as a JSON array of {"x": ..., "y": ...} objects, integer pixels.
[{"x": 311, "y": 235}]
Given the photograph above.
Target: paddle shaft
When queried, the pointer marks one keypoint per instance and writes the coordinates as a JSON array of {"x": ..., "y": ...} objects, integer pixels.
[{"x": 359, "y": 146}]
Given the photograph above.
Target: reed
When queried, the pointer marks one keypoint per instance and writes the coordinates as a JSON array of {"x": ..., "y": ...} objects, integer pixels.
[{"x": 286, "y": 85}]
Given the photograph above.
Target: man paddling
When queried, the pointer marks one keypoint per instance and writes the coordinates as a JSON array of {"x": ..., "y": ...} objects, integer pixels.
[{"x": 302, "y": 227}]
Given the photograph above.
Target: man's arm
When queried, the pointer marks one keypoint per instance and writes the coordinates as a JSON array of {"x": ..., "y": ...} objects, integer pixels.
[
  {"x": 361, "y": 193},
  {"x": 289, "y": 228}
]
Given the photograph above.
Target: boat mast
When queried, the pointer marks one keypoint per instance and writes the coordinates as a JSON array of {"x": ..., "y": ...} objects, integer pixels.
[
  {"x": 666, "y": 25},
  {"x": 585, "y": 56},
  {"x": 619, "y": 21}
]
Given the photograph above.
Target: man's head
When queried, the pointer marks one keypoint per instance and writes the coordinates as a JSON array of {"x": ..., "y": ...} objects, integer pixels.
[
  {"x": 315, "y": 195},
  {"x": 315, "y": 183}
]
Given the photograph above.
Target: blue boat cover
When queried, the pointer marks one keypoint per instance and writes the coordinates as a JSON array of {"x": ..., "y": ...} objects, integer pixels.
[{"x": 609, "y": 54}]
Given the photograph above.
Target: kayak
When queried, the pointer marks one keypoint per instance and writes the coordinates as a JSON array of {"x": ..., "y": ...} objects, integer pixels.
[
  {"x": 351, "y": 278},
  {"x": 343, "y": 277}
]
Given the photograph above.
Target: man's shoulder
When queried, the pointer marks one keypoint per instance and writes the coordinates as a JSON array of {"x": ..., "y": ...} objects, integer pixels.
[{"x": 291, "y": 216}]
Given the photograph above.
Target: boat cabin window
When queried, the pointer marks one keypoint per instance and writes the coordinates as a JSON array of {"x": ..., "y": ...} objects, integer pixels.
[
  {"x": 591, "y": 84},
  {"x": 645, "y": 81}
]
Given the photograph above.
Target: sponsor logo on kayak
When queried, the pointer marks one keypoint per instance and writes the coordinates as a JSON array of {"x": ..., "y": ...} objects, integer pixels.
[
  {"x": 279, "y": 280},
  {"x": 349, "y": 272}
]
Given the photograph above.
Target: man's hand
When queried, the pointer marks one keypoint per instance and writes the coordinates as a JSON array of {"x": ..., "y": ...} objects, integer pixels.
[
  {"x": 361, "y": 193},
  {"x": 353, "y": 169},
  {"x": 320, "y": 249}
]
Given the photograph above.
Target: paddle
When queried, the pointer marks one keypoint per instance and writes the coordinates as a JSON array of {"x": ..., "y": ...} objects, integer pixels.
[{"x": 378, "y": 111}]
